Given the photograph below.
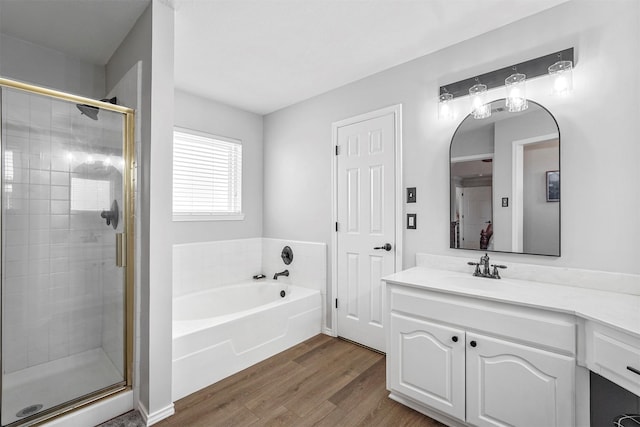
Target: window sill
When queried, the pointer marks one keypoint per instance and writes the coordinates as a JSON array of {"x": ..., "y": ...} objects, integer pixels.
[{"x": 216, "y": 217}]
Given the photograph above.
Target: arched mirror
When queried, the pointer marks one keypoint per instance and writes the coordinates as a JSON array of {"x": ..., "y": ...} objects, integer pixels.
[{"x": 505, "y": 182}]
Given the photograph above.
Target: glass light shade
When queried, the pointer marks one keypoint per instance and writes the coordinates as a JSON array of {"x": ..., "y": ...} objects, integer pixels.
[
  {"x": 562, "y": 77},
  {"x": 516, "y": 92},
  {"x": 445, "y": 111},
  {"x": 479, "y": 107}
]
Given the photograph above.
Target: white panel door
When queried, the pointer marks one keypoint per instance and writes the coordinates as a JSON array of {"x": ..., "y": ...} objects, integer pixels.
[
  {"x": 509, "y": 384},
  {"x": 426, "y": 362},
  {"x": 365, "y": 169}
]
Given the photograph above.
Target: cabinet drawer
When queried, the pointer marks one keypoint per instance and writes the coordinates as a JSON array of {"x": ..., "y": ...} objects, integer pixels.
[
  {"x": 554, "y": 331},
  {"x": 614, "y": 355}
]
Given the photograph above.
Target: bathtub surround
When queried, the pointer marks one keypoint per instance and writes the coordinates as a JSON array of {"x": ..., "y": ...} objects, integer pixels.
[
  {"x": 210, "y": 347},
  {"x": 206, "y": 265},
  {"x": 243, "y": 324}
]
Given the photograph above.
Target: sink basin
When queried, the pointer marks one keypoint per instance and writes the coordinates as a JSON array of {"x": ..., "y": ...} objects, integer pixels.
[{"x": 470, "y": 281}]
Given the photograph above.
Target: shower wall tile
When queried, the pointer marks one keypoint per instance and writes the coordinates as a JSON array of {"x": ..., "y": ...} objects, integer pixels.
[
  {"x": 39, "y": 207},
  {"x": 57, "y": 261}
]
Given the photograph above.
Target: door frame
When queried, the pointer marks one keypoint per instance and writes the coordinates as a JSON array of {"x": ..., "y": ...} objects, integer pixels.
[
  {"x": 396, "y": 110},
  {"x": 517, "y": 182},
  {"x": 126, "y": 248}
]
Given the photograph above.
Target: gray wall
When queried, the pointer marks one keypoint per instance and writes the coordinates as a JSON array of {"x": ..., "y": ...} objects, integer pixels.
[
  {"x": 197, "y": 113},
  {"x": 151, "y": 42},
  {"x": 38, "y": 65},
  {"x": 540, "y": 223},
  {"x": 536, "y": 123},
  {"x": 597, "y": 142}
]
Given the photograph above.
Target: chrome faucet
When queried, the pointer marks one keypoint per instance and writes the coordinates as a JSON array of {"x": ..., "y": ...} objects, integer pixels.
[
  {"x": 282, "y": 273},
  {"x": 486, "y": 270}
]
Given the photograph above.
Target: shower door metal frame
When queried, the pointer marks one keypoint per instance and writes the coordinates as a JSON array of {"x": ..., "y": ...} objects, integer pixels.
[{"x": 128, "y": 246}]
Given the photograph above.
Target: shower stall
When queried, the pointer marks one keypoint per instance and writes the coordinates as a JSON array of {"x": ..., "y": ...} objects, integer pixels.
[{"x": 66, "y": 227}]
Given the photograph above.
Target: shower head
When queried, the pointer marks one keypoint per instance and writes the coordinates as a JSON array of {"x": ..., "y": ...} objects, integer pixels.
[{"x": 91, "y": 111}]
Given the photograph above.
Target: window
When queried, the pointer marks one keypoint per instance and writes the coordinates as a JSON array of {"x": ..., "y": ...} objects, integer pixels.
[
  {"x": 207, "y": 176},
  {"x": 90, "y": 194}
]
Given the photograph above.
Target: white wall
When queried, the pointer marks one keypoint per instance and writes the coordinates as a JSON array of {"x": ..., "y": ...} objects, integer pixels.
[
  {"x": 28, "y": 62},
  {"x": 598, "y": 140},
  {"x": 201, "y": 114}
]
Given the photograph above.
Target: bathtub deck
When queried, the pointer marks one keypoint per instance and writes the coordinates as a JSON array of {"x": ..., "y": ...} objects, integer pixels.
[{"x": 323, "y": 381}]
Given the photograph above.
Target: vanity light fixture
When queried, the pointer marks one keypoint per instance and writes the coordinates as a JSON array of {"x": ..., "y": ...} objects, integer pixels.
[
  {"x": 480, "y": 109},
  {"x": 445, "y": 110},
  {"x": 562, "y": 77},
  {"x": 516, "y": 92},
  {"x": 558, "y": 65}
]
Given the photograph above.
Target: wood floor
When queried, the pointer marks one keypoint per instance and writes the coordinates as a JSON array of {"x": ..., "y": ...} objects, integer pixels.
[{"x": 322, "y": 382}]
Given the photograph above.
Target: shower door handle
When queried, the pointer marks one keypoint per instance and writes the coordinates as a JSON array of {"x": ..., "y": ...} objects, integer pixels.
[{"x": 121, "y": 250}]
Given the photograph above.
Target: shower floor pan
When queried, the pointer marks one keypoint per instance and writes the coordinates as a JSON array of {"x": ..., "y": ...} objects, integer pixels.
[{"x": 54, "y": 383}]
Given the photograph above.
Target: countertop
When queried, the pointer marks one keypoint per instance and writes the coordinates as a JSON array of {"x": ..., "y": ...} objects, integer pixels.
[{"x": 616, "y": 310}]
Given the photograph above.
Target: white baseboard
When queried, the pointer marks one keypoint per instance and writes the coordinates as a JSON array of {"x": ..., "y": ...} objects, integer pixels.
[
  {"x": 328, "y": 331},
  {"x": 157, "y": 416}
]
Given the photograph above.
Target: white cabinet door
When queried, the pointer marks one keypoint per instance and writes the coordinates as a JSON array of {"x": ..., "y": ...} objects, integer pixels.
[
  {"x": 510, "y": 384},
  {"x": 426, "y": 363}
]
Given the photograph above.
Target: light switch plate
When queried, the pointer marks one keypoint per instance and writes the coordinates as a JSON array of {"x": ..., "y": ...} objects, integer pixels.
[
  {"x": 411, "y": 194},
  {"x": 505, "y": 202},
  {"x": 411, "y": 221}
]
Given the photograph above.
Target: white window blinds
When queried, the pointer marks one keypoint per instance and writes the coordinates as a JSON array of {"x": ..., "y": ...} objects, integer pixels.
[{"x": 207, "y": 175}]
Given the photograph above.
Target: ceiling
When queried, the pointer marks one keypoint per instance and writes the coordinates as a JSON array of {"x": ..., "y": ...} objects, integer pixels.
[
  {"x": 90, "y": 30},
  {"x": 263, "y": 55}
]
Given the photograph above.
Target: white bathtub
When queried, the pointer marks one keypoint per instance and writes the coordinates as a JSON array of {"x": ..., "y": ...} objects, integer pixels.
[{"x": 221, "y": 331}]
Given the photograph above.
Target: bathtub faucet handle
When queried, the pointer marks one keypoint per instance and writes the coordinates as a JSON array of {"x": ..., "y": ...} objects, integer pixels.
[{"x": 282, "y": 273}]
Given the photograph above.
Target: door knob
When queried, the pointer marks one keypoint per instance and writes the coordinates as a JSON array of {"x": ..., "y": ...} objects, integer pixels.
[
  {"x": 473, "y": 344},
  {"x": 387, "y": 247}
]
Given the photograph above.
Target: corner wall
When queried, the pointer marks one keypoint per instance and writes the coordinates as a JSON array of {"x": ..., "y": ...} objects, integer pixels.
[
  {"x": 30, "y": 63},
  {"x": 151, "y": 42}
]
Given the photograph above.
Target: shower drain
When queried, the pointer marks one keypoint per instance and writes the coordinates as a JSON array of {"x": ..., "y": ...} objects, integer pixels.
[{"x": 29, "y": 410}]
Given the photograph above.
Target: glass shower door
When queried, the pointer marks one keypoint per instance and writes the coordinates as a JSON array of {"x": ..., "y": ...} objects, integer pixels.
[{"x": 63, "y": 282}]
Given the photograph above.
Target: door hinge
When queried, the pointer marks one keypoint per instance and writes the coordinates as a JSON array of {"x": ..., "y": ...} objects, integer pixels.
[
  {"x": 337, "y": 150},
  {"x": 336, "y": 302},
  {"x": 336, "y": 226}
]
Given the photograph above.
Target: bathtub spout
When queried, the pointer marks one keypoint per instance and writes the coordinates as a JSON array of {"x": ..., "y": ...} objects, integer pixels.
[{"x": 282, "y": 273}]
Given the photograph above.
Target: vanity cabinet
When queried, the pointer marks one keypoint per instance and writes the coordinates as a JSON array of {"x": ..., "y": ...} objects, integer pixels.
[
  {"x": 614, "y": 355},
  {"x": 482, "y": 364},
  {"x": 512, "y": 384}
]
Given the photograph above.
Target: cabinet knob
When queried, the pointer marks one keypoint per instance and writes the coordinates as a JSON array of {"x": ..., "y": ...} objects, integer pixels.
[
  {"x": 473, "y": 343},
  {"x": 454, "y": 338}
]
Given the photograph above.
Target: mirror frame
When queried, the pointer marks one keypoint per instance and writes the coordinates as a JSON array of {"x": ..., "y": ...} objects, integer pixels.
[{"x": 559, "y": 201}]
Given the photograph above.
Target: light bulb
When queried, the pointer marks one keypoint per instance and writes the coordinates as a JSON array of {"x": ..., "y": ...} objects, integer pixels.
[{"x": 562, "y": 74}]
